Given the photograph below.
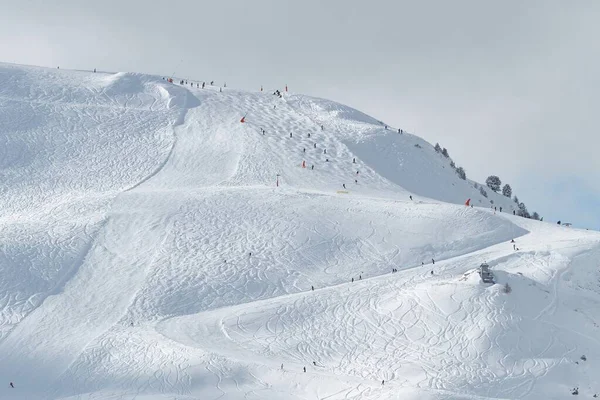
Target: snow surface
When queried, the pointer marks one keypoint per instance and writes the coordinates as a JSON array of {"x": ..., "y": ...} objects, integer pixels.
[{"x": 146, "y": 253}]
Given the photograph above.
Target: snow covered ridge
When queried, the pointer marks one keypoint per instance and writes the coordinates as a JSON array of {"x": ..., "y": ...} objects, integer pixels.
[{"x": 146, "y": 252}]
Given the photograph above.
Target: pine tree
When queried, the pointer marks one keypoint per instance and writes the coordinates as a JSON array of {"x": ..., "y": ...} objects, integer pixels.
[
  {"x": 535, "y": 216},
  {"x": 438, "y": 148},
  {"x": 445, "y": 152},
  {"x": 461, "y": 173},
  {"x": 516, "y": 199},
  {"x": 482, "y": 191},
  {"x": 452, "y": 165},
  {"x": 523, "y": 211},
  {"x": 493, "y": 182},
  {"x": 507, "y": 190}
]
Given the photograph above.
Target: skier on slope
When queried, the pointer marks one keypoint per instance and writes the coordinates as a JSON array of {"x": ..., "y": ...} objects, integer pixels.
[{"x": 12, "y": 386}]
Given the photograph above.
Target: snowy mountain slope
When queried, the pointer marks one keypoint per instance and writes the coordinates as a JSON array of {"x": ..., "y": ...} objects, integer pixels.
[
  {"x": 402, "y": 158},
  {"x": 146, "y": 253},
  {"x": 69, "y": 143}
]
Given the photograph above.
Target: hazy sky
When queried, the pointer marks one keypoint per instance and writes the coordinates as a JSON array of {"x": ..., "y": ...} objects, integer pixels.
[{"x": 509, "y": 87}]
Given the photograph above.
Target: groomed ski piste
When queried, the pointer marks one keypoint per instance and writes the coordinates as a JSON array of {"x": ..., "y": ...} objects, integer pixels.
[{"x": 154, "y": 247}]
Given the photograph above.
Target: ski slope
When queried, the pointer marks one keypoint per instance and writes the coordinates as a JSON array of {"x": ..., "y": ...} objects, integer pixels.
[{"x": 146, "y": 252}]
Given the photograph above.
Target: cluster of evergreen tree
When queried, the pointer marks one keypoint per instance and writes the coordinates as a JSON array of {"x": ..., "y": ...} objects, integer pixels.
[
  {"x": 462, "y": 174},
  {"x": 493, "y": 182}
]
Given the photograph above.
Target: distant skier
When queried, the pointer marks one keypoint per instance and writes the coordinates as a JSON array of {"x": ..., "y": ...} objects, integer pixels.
[
  {"x": 514, "y": 213},
  {"x": 382, "y": 382},
  {"x": 203, "y": 84},
  {"x": 354, "y": 160},
  {"x": 304, "y": 149},
  {"x": 322, "y": 128},
  {"x": 212, "y": 83},
  {"x": 12, "y": 386},
  {"x": 410, "y": 197},
  {"x": 309, "y": 135},
  {"x": 352, "y": 280},
  {"x": 312, "y": 288},
  {"x": 399, "y": 130},
  {"x": 344, "y": 185},
  {"x": 290, "y": 134},
  {"x": 386, "y": 127},
  {"x": 431, "y": 272},
  {"x": 433, "y": 261},
  {"x": 315, "y": 145},
  {"x": 558, "y": 223},
  {"x": 315, "y": 363},
  {"x": 250, "y": 254},
  {"x": 500, "y": 209},
  {"x": 356, "y": 181},
  {"x": 324, "y": 151},
  {"x": 304, "y": 369},
  {"x": 360, "y": 277},
  {"x": 312, "y": 166},
  {"x": 94, "y": 70},
  {"x": 327, "y": 160},
  {"x": 220, "y": 90}
]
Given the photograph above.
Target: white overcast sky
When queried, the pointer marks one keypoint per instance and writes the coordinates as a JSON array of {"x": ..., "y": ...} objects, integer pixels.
[{"x": 509, "y": 87}]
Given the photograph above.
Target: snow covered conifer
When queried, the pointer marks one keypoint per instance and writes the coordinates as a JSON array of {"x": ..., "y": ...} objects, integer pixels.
[
  {"x": 461, "y": 173},
  {"x": 493, "y": 182},
  {"x": 437, "y": 148},
  {"x": 445, "y": 153},
  {"x": 507, "y": 190}
]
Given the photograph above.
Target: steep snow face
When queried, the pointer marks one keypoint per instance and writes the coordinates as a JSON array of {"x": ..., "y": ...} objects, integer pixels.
[
  {"x": 154, "y": 247},
  {"x": 399, "y": 157}
]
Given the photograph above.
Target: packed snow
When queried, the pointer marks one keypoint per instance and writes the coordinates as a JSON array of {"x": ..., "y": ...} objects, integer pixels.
[{"x": 152, "y": 246}]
